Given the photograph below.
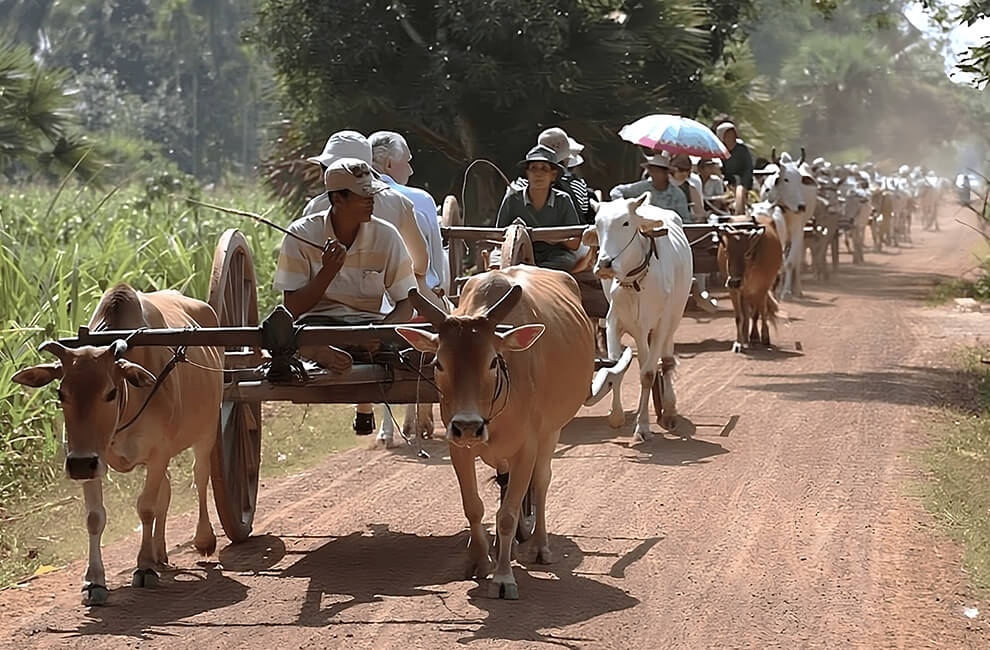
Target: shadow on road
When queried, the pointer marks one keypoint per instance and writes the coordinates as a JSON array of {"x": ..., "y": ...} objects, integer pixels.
[
  {"x": 143, "y": 613},
  {"x": 666, "y": 448},
  {"x": 907, "y": 385}
]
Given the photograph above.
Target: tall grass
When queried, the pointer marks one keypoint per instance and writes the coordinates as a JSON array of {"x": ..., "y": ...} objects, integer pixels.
[{"x": 56, "y": 260}]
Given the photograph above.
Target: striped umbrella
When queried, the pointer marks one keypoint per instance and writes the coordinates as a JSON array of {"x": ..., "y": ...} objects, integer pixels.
[{"x": 674, "y": 134}]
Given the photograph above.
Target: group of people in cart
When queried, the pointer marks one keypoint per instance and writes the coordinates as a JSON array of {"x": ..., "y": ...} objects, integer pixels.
[{"x": 383, "y": 235}]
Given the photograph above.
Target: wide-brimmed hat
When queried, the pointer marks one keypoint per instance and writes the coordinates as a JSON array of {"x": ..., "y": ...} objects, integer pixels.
[
  {"x": 661, "y": 159},
  {"x": 354, "y": 175},
  {"x": 709, "y": 161},
  {"x": 562, "y": 144},
  {"x": 541, "y": 153},
  {"x": 344, "y": 144}
]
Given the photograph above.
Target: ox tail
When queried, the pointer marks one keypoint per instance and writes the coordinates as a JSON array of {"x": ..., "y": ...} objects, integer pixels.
[{"x": 773, "y": 307}]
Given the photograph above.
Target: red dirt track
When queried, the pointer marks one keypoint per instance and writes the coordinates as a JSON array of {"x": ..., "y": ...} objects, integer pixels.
[{"x": 785, "y": 520}]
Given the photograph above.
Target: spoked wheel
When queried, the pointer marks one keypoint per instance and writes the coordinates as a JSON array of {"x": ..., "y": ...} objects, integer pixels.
[
  {"x": 237, "y": 453},
  {"x": 527, "y": 513}
]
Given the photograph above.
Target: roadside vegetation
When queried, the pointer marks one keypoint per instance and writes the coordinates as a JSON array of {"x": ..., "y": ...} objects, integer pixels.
[
  {"x": 60, "y": 248},
  {"x": 959, "y": 464}
]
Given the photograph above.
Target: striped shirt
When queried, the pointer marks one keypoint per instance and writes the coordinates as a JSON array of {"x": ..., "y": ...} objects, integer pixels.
[{"x": 376, "y": 264}]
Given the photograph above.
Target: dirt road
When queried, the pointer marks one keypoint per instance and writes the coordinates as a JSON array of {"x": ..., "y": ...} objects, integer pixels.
[{"x": 785, "y": 520}]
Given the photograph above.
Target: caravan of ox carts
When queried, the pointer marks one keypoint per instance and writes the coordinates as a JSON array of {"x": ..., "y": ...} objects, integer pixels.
[{"x": 510, "y": 325}]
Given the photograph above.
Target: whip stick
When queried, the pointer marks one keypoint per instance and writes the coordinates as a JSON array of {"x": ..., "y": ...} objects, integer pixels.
[{"x": 258, "y": 218}]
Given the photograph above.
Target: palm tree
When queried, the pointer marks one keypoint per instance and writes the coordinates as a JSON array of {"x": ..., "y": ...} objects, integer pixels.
[{"x": 36, "y": 118}]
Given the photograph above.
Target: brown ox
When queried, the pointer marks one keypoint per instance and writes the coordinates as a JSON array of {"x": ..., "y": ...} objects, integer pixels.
[
  {"x": 101, "y": 393},
  {"x": 505, "y": 397},
  {"x": 750, "y": 261}
]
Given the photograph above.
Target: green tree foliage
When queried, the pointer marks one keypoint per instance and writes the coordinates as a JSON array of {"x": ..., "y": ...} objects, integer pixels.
[
  {"x": 865, "y": 81},
  {"x": 465, "y": 80},
  {"x": 176, "y": 72},
  {"x": 37, "y": 130}
]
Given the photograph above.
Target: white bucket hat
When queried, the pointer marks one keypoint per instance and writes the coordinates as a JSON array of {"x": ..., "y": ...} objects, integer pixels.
[
  {"x": 567, "y": 148},
  {"x": 344, "y": 144}
]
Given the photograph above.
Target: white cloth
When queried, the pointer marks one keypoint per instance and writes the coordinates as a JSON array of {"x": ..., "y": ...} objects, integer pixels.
[{"x": 438, "y": 270}]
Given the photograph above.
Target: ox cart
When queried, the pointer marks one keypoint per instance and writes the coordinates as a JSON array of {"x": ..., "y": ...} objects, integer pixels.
[{"x": 260, "y": 364}]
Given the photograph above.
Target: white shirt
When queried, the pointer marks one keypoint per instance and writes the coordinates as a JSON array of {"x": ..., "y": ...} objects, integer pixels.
[
  {"x": 438, "y": 271},
  {"x": 375, "y": 265}
]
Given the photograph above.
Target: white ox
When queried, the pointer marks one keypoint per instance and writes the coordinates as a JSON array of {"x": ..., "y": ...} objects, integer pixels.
[
  {"x": 791, "y": 188},
  {"x": 645, "y": 261}
]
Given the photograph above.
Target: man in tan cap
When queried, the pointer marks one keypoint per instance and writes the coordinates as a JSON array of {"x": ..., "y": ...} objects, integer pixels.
[{"x": 365, "y": 259}]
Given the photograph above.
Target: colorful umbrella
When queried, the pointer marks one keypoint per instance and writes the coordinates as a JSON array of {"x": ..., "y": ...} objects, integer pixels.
[{"x": 674, "y": 134}]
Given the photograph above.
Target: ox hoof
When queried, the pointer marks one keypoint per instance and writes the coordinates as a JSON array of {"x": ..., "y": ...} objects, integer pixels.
[
  {"x": 504, "y": 591},
  {"x": 145, "y": 578},
  {"x": 643, "y": 436},
  {"x": 94, "y": 595},
  {"x": 544, "y": 556},
  {"x": 385, "y": 441},
  {"x": 616, "y": 418},
  {"x": 478, "y": 569},
  {"x": 668, "y": 422},
  {"x": 737, "y": 347},
  {"x": 206, "y": 547}
]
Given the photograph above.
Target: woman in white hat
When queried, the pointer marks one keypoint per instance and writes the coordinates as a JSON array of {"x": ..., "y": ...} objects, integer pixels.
[{"x": 568, "y": 155}]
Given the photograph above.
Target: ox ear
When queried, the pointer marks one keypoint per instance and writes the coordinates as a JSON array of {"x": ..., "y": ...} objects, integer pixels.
[
  {"x": 807, "y": 180},
  {"x": 590, "y": 237},
  {"x": 521, "y": 338},
  {"x": 640, "y": 201},
  {"x": 39, "y": 376},
  {"x": 420, "y": 339},
  {"x": 136, "y": 375}
]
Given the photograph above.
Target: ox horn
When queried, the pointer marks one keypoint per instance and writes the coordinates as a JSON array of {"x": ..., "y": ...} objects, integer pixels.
[
  {"x": 501, "y": 309},
  {"x": 801, "y": 162},
  {"x": 427, "y": 309},
  {"x": 54, "y": 348},
  {"x": 773, "y": 156},
  {"x": 119, "y": 348}
]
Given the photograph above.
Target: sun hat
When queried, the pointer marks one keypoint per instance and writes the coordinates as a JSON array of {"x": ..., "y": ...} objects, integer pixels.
[
  {"x": 661, "y": 159},
  {"x": 541, "y": 153},
  {"x": 344, "y": 144},
  {"x": 354, "y": 175},
  {"x": 562, "y": 144}
]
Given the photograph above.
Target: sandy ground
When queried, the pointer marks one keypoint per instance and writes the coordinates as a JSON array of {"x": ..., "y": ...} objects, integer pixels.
[{"x": 787, "y": 519}]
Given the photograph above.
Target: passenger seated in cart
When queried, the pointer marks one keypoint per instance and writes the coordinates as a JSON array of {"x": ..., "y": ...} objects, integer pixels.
[
  {"x": 663, "y": 193},
  {"x": 345, "y": 285},
  {"x": 539, "y": 204}
]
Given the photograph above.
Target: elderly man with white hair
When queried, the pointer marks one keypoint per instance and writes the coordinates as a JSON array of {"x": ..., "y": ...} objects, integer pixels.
[{"x": 392, "y": 159}]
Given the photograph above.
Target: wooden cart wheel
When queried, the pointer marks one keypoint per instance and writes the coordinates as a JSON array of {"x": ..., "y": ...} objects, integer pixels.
[
  {"x": 527, "y": 514},
  {"x": 237, "y": 453},
  {"x": 517, "y": 248},
  {"x": 450, "y": 215}
]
